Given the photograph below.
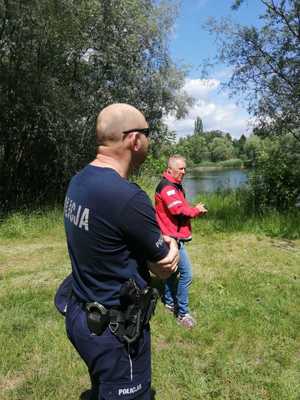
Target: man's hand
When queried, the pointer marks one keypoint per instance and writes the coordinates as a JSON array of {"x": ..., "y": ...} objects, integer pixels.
[
  {"x": 166, "y": 266},
  {"x": 201, "y": 208}
]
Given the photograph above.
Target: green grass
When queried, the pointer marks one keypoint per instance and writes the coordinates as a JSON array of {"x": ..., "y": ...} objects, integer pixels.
[
  {"x": 229, "y": 212},
  {"x": 245, "y": 296},
  {"x": 30, "y": 224}
]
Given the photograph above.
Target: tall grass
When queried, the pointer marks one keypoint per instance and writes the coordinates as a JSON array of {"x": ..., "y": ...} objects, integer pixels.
[
  {"x": 31, "y": 224},
  {"x": 234, "y": 163},
  {"x": 230, "y": 211}
]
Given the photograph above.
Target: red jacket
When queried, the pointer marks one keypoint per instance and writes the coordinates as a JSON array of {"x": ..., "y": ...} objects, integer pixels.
[{"x": 173, "y": 212}]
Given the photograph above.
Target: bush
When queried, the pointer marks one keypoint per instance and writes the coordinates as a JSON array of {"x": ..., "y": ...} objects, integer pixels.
[{"x": 275, "y": 180}]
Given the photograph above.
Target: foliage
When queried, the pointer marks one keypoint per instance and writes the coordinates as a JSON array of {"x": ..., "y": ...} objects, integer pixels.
[
  {"x": 252, "y": 148},
  {"x": 221, "y": 149},
  {"x": 153, "y": 166},
  {"x": 60, "y": 64},
  {"x": 206, "y": 146},
  {"x": 232, "y": 163},
  {"x": 239, "y": 146},
  {"x": 275, "y": 181},
  {"x": 266, "y": 64}
]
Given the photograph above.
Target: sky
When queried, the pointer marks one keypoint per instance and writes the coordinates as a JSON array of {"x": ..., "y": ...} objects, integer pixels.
[{"x": 190, "y": 45}]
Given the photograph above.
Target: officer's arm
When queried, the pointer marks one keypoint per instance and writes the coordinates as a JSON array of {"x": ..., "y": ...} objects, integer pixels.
[
  {"x": 167, "y": 265},
  {"x": 141, "y": 230}
]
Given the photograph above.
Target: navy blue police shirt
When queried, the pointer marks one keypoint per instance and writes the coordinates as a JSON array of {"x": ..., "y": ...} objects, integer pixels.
[{"x": 111, "y": 233}]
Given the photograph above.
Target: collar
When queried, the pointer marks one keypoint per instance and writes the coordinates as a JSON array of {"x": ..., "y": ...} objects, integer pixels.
[{"x": 171, "y": 179}]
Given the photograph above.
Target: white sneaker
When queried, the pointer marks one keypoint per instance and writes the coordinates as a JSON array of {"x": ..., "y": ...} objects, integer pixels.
[
  {"x": 187, "y": 321},
  {"x": 170, "y": 309}
]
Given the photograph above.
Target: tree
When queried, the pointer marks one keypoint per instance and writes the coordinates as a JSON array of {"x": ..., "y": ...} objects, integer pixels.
[
  {"x": 210, "y": 135},
  {"x": 242, "y": 141},
  {"x": 252, "y": 148},
  {"x": 198, "y": 126},
  {"x": 239, "y": 145},
  {"x": 274, "y": 183},
  {"x": 59, "y": 65},
  {"x": 209, "y": 146},
  {"x": 198, "y": 149},
  {"x": 266, "y": 64},
  {"x": 221, "y": 149}
]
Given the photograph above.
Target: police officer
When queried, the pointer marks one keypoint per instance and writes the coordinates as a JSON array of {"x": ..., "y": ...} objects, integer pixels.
[{"x": 113, "y": 239}]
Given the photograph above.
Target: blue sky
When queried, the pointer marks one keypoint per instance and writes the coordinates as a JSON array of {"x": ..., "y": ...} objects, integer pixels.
[{"x": 190, "y": 44}]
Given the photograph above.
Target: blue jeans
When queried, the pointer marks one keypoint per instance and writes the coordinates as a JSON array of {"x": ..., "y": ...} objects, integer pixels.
[{"x": 177, "y": 289}]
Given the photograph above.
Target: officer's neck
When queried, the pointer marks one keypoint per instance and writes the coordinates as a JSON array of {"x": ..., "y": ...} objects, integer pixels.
[{"x": 108, "y": 161}]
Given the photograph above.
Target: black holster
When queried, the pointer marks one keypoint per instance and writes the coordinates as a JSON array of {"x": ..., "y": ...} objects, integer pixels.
[
  {"x": 127, "y": 322},
  {"x": 137, "y": 313}
]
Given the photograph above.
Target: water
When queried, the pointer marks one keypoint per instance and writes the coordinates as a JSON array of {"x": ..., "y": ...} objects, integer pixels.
[{"x": 197, "y": 182}]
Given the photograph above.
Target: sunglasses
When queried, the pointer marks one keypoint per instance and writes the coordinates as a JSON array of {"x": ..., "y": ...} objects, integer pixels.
[{"x": 145, "y": 131}]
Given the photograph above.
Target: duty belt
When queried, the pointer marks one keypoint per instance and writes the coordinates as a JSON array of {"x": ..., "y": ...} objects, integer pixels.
[{"x": 125, "y": 322}]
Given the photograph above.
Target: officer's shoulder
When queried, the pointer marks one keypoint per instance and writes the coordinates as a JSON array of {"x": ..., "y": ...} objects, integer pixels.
[{"x": 134, "y": 189}]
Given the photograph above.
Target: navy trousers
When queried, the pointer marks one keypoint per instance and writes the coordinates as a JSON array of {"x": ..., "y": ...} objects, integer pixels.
[{"x": 117, "y": 370}]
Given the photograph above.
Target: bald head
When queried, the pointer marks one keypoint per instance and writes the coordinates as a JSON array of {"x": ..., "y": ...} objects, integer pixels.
[{"x": 113, "y": 120}]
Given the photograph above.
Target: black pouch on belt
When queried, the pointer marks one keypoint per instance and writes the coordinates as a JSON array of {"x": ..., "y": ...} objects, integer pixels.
[
  {"x": 97, "y": 317},
  {"x": 138, "y": 305}
]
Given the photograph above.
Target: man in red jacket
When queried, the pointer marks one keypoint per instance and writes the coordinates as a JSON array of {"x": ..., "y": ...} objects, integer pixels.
[{"x": 173, "y": 214}]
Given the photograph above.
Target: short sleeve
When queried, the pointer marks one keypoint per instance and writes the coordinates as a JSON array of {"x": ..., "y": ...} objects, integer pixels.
[{"x": 139, "y": 226}]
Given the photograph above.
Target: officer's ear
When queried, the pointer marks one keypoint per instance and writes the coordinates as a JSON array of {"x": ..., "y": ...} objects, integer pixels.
[
  {"x": 131, "y": 140},
  {"x": 136, "y": 141}
]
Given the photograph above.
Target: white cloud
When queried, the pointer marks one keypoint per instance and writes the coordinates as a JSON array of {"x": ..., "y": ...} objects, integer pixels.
[
  {"x": 216, "y": 111},
  {"x": 200, "y": 88}
]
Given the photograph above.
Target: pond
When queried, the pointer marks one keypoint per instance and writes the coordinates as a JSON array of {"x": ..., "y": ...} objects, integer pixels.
[{"x": 197, "y": 182}]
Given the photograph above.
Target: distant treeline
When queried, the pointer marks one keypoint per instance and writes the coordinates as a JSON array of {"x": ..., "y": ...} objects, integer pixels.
[{"x": 214, "y": 146}]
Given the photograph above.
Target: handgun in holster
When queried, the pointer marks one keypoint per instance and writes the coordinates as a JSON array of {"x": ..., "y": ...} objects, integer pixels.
[{"x": 140, "y": 308}]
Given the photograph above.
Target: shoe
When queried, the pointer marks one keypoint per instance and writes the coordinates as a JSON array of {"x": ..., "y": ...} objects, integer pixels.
[
  {"x": 187, "y": 321},
  {"x": 170, "y": 309},
  {"x": 88, "y": 395}
]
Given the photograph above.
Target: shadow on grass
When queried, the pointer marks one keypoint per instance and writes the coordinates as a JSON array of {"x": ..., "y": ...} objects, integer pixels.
[{"x": 158, "y": 284}]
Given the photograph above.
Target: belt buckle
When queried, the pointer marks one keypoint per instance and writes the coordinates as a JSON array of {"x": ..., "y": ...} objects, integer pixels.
[{"x": 96, "y": 306}]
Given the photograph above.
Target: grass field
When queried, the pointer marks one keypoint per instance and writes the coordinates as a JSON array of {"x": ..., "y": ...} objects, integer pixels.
[{"x": 245, "y": 296}]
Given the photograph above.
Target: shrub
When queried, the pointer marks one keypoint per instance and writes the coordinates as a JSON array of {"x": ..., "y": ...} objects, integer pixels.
[{"x": 275, "y": 180}]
